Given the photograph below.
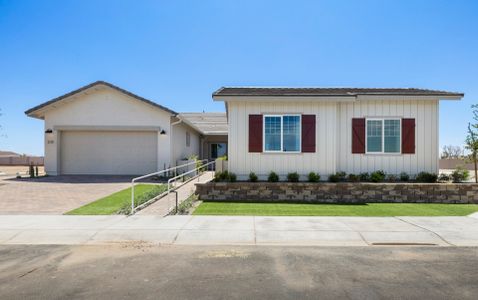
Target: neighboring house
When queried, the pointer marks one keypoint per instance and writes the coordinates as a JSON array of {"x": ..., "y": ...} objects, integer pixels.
[
  {"x": 9, "y": 158},
  {"x": 103, "y": 129},
  {"x": 327, "y": 130}
]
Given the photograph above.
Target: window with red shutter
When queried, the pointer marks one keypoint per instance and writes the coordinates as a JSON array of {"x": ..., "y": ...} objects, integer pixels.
[
  {"x": 255, "y": 133},
  {"x": 308, "y": 133},
  {"x": 358, "y": 135},
  {"x": 408, "y": 136}
]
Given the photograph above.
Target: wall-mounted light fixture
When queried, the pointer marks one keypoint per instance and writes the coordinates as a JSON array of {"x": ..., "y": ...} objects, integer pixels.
[
  {"x": 162, "y": 132},
  {"x": 48, "y": 131}
]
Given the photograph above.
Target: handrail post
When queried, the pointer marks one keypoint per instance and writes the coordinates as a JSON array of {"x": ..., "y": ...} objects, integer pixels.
[{"x": 132, "y": 196}]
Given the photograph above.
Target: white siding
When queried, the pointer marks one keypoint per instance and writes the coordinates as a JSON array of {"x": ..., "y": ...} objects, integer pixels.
[
  {"x": 180, "y": 149},
  {"x": 104, "y": 107},
  {"x": 242, "y": 162},
  {"x": 425, "y": 158},
  {"x": 334, "y": 137}
]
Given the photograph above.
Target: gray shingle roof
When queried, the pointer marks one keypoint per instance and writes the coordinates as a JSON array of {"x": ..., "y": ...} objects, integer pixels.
[
  {"x": 331, "y": 92},
  {"x": 57, "y": 99},
  {"x": 207, "y": 123}
]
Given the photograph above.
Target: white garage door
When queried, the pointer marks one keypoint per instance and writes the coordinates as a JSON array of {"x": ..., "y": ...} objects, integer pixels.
[{"x": 108, "y": 152}]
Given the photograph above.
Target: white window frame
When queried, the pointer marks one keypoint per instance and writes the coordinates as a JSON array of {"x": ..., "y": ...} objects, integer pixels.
[
  {"x": 188, "y": 139},
  {"x": 383, "y": 136},
  {"x": 281, "y": 116}
]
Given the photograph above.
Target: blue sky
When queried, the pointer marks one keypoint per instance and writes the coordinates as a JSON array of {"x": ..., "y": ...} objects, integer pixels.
[{"x": 178, "y": 52}]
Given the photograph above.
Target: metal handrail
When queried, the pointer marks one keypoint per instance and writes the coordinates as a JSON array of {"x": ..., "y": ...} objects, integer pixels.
[
  {"x": 158, "y": 173},
  {"x": 183, "y": 174}
]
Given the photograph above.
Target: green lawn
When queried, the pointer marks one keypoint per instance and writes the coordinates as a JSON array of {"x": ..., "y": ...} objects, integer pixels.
[
  {"x": 366, "y": 210},
  {"x": 119, "y": 202}
]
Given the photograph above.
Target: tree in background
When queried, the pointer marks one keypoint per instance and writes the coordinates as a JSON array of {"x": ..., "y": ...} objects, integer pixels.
[
  {"x": 450, "y": 151},
  {"x": 471, "y": 143}
]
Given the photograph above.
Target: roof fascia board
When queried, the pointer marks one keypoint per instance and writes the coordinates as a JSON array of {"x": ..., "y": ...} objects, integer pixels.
[{"x": 284, "y": 98}]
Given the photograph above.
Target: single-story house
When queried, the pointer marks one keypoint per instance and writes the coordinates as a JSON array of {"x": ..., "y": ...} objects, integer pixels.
[
  {"x": 105, "y": 130},
  {"x": 327, "y": 130}
]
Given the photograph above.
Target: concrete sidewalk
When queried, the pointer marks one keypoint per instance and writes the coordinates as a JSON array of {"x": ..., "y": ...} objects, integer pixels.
[{"x": 239, "y": 230}]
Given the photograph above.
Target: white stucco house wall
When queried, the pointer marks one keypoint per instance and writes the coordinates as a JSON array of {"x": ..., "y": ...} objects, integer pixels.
[
  {"x": 327, "y": 130},
  {"x": 101, "y": 129}
]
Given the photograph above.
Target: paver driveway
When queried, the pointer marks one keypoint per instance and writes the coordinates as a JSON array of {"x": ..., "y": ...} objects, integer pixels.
[{"x": 56, "y": 194}]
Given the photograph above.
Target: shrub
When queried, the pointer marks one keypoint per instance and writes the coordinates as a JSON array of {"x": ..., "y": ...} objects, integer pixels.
[
  {"x": 392, "y": 178},
  {"x": 313, "y": 177},
  {"x": 404, "y": 176},
  {"x": 426, "y": 177},
  {"x": 231, "y": 177},
  {"x": 334, "y": 178},
  {"x": 293, "y": 177},
  {"x": 273, "y": 177},
  {"x": 353, "y": 178},
  {"x": 377, "y": 176},
  {"x": 224, "y": 177},
  {"x": 31, "y": 171},
  {"x": 342, "y": 175},
  {"x": 460, "y": 174},
  {"x": 444, "y": 177},
  {"x": 364, "y": 176},
  {"x": 252, "y": 177}
]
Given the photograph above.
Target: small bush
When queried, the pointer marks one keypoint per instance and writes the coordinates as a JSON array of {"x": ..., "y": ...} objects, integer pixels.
[
  {"x": 444, "y": 177},
  {"x": 224, "y": 177},
  {"x": 460, "y": 174},
  {"x": 377, "y": 176},
  {"x": 342, "y": 175},
  {"x": 364, "y": 176},
  {"x": 220, "y": 176},
  {"x": 426, "y": 177},
  {"x": 273, "y": 177},
  {"x": 353, "y": 178},
  {"x": 252, "y": 177},
  {"x": 293, "y": 177},
  {"x": 313, "y": 177},
  {"x": 404, "y": 176},
  {"x": 231, "y": 177},
  {"x": 392, "y": 178},
  {"x": 334, "y": 178}
]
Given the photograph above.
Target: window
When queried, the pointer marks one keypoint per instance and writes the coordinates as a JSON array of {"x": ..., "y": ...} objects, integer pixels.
[
  {"x": 383, "y": 135},
  {"x": 188, "y": 139},
  {"x": 282, "y": 133}
]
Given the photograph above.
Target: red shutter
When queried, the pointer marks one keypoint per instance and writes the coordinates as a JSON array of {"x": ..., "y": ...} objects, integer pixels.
[
  {"x": 408, "y": 136},
  {"x": 308, "y": 133},
  {"x": 358, "y": 135},
  {"x": 255, "y": 133}
]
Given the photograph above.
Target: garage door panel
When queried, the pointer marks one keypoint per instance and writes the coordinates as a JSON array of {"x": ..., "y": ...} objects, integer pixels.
[{"x": 108, "y": 152}]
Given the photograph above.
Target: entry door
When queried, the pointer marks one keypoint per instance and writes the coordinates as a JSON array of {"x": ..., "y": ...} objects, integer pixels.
[{"x": 218, "y": 150}]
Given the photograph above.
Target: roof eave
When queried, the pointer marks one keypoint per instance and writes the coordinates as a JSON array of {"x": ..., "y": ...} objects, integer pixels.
[{"x": 31, "y": 112}]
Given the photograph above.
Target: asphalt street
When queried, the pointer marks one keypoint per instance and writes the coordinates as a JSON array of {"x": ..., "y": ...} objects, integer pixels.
[{"x": 139, "y": 270}]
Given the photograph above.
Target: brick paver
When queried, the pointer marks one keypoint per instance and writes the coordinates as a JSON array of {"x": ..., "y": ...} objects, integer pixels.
[{"x": 55, "y": 194}]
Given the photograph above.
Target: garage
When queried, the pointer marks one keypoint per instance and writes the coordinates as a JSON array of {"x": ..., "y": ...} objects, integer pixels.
[{"x": 108, "y": 152}]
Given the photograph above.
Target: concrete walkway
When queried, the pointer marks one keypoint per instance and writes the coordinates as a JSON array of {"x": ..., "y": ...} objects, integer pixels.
[
  {"x": 239, "y": 230},
  {"x": 163, "y": 206}
]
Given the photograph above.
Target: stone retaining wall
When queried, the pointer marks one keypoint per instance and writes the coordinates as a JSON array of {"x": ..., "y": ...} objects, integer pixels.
[{"x": 338, "y": 192}]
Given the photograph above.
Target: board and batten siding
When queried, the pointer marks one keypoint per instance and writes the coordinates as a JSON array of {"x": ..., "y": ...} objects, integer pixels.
[
  {"x": 425, "y": 158},
  {"x": 334, "y": 137},
  {"x": 242, "y": 162}
]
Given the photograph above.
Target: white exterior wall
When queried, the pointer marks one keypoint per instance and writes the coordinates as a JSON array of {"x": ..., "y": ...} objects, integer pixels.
[
  {"x": 179, "y": 148},
  {"x": 425, "y": 113},
  {"x": 334, "y": 137},
  {"x": 242, "y": 162},
  {"x": 104, "y": 108}
]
